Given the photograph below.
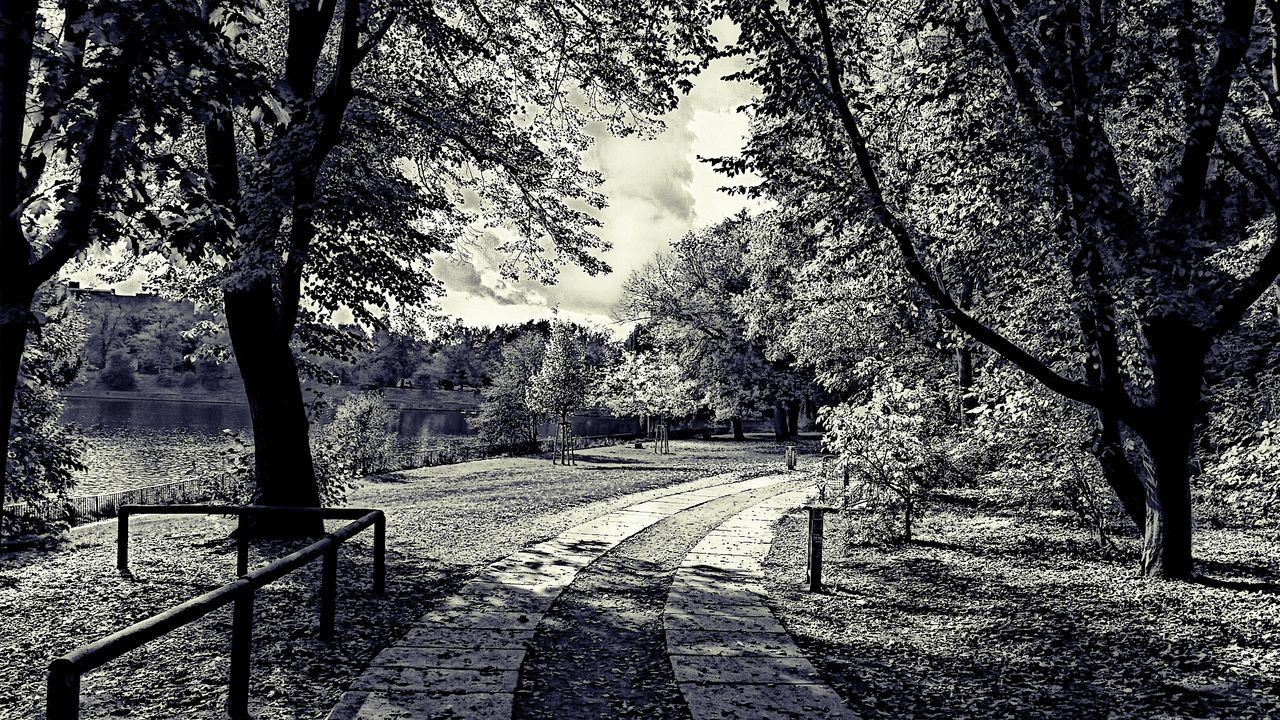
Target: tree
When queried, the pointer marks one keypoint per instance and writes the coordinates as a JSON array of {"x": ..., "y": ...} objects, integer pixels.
[
  {"x": 691, "y": 303},
  {"x": 506, "y": 416},
  {"x": 650, "y": 384},
  {"x": 1143, "y": 135},
  {"x": 359, "y": 440},
  {"x": 118, "y": 374},
  {"x": 44, "y": 453},
  {"x": 395, "y": 130},
  {"x": 90, "y": 93},
  {"x": 888, "y": 444},
  {"x": 561, "y": 384}
]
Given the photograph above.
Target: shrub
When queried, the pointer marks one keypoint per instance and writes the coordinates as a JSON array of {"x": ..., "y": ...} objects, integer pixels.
[
  {"x": 891, "y": 446},
  {"x": 187, "y": 380},
  {"x": 166, "y": 380},
  {"x": 118, "y": 375},
  {"x": 354, "y": 444}
]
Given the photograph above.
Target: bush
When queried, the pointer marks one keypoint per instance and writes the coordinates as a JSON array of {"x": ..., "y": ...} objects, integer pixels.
[
  {"x": 354, "y": 444},
  {"x": 166, "y": 380},
  {"x": 187, "y": 380},
  {"x": 891, "y": 445},
  {"x": 118, "y": 375}
]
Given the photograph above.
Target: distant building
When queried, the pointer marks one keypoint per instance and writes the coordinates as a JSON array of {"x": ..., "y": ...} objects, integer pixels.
[{"x": 129, "y": 303}]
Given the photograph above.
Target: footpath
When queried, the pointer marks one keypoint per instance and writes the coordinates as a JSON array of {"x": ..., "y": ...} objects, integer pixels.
[{"x": 727, "y": 654}]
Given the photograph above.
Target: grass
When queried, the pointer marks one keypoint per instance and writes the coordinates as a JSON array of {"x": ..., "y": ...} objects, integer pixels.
[
  {"x": 994, "y": 614},
  {"x": 444, "y": 524}
]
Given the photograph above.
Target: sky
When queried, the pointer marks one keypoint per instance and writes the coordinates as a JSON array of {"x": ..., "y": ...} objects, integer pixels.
[{"x": 657, "y": 191}]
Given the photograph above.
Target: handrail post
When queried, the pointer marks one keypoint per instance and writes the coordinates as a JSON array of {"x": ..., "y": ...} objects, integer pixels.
[
  {"x": 380, "y": 553},
  {"x": 242, "y": 544},
  {"x": 241, "y": 656},
  {"x": 63, "y": 692},
  {"x": 328, "y": 592},
  {"x": 122, "y": 542}
]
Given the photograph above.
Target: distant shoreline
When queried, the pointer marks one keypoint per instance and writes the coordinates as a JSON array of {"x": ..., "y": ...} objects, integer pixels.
[{"x": 148, "y": 395}]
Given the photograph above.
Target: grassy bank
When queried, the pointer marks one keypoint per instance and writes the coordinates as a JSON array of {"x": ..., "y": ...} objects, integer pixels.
[
  {"x": 993, "y": 615},
  {"x": 444, "y": 524}
]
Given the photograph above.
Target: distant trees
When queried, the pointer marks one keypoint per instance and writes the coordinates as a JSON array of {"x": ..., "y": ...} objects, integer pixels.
[
  {"x": 118, "y": 374},
  {"x": 561, "y": 385},
  {"x": 651, "y": 385},
  {"x": 506, "y": 415}
]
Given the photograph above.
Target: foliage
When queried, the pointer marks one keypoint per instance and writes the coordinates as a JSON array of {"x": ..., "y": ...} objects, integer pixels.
[
  {"x": 648, "y": 384},
  {"x": 690, "y": 303},
  {"x": 43, "y": 453},
  {"x": 118, "y": 374},
  {"x": 1059, "y": 170},
  {"x": 891, "y": 446},
  {"x": 505, "y": 416},
  {"x": 561, "y": 384},
  {"x": 354, "y": 444}
]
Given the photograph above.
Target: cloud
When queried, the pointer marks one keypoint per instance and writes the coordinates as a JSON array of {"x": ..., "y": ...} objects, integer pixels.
[{"x": 657, "y": 191}]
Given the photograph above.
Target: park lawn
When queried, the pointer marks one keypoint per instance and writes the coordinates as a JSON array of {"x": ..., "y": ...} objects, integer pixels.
[
  {"x": 443, "y": 525},
  {"x": 1001, "y": 614}
]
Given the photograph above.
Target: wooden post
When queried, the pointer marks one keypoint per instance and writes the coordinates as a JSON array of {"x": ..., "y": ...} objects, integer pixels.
[
  {"x": 62, "y": 694},
  {"x": 380, "y": 555},
  {"x": 242, "y": 544},
  {"x": 815, "y": 549},
  {"x": 122, "y": 543},
  {"x": 328, "y": 592},
  {"x": 241, "y": 657}
]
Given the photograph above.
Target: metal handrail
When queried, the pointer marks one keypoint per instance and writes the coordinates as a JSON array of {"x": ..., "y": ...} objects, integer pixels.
[{"x": 63, "y": 691}]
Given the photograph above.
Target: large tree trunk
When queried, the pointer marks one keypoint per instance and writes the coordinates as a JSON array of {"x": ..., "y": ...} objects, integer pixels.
[
  {"x": 779, "y": 421},
  {"x": 284, "y": 471},
  {"x": 735, "y": 424},
  {"x": 1176, "y": 352}
]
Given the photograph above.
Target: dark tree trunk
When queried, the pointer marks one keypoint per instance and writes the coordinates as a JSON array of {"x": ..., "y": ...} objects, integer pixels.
[
  {"x": 779, "y": 421},
  {"x": 735, "y": 424},
  {"x": 1176, "y": 353},
  {"x": 793, "y": 418},
  {"x": 284, "y": 471}
]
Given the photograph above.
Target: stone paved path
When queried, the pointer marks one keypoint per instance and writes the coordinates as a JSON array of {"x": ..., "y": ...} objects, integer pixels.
[
  {"x": 730, "y": 655},
  {"x": 463, "y": 660},
  {"x": 601, "y": 651}
]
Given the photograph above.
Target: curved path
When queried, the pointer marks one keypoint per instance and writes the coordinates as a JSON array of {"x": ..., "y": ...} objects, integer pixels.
[
  {"x": 463, "y": 661},
  {"x": 600, "y": 651},
  {"x": 730, "y": 655}
]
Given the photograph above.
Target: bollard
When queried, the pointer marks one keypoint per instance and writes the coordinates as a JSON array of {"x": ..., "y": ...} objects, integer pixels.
[
  {"x": 815, "y": 548},
  {"x": 242, "y": 545},
  {"x": 122, "y": 543},
  {"x": 328, "y": 592},
  {"x": 241, "y": 654},
  {"x": 63, "y": 691},
  {"x": 380, "y": 554},
  {"x": 791, "y": 457}
]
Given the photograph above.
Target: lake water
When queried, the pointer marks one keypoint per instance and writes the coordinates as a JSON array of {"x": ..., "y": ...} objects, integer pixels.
[{"x": 135, "y": 443}]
